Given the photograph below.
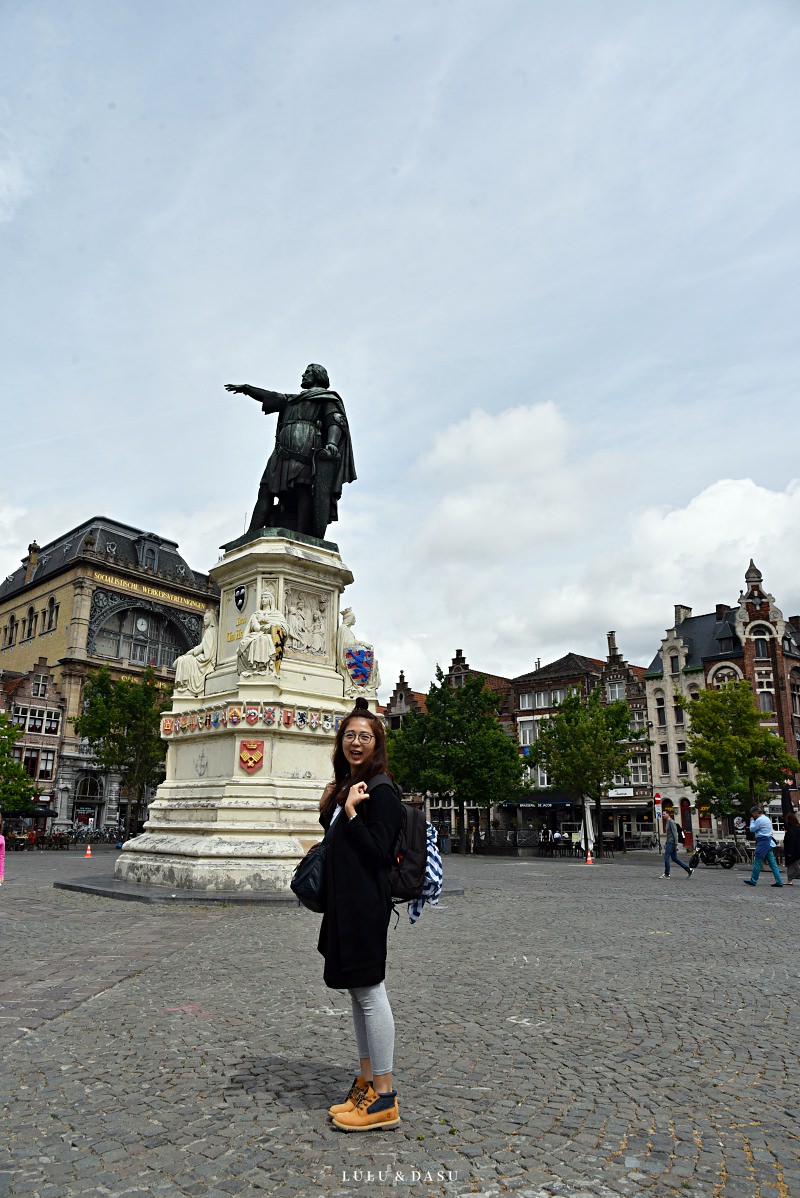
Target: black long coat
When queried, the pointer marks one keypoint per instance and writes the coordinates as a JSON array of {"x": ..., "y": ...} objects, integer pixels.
[
  {"x": 352, "y": 938},
  {"x": 791, "y": 844}
]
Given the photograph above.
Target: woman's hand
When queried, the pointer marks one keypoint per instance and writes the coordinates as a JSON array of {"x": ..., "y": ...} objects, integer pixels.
[{"x": 355, "y": 795}]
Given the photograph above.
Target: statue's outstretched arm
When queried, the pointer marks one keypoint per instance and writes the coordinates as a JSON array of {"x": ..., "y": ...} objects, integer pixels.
[{"x": 271, "y": 401}]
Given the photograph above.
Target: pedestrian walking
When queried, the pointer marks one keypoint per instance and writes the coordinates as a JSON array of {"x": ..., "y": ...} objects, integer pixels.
[
  {"x": 791, "y": 848},
  {"x": 671, "y": 846},
  {"x": 361, "y": 830},
  {"x": 2, "y": 854},
  {"x": 761, "y": 827}
]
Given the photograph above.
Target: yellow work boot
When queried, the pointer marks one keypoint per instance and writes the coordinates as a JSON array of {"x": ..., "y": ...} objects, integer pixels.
[
  {"x": 373, "y": 1112},
  {"x": 354, "y": 1094}
]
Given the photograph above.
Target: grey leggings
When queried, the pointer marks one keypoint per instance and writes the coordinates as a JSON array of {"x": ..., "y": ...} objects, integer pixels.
[{"x": 374, "y": 1025}]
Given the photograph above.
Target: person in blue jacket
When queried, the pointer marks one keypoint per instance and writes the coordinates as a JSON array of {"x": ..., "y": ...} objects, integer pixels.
[{"x": 761, "y": 827}]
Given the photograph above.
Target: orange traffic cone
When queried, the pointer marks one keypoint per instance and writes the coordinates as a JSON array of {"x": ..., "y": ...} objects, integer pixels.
[
  {"x": 88, "y": 852},
  {"x": 589, "y": 858}
]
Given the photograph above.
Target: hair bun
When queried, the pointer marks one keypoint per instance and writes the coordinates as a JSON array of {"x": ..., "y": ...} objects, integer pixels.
[{"x": 361, "y": 704}]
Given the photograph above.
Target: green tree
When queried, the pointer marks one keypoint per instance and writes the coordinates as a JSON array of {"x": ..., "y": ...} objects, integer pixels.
[
  {"x": 121, "y": 723},
  {"x": 457, "y": 749},
  {"x": 16, "y": 788},
  {"x": 583, "y": 746},
  {"x": 735, "y": 757}
]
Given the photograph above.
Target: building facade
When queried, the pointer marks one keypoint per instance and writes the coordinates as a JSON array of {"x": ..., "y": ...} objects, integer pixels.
[
  {"x": 35, "y": 704},
  {"x": 108, "y": 594},
  {"x": 749, "y": 641}
]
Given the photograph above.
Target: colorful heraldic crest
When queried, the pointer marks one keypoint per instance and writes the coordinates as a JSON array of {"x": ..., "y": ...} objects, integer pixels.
[
  {"x": 252, "y": 713},
  {"x": 359, "y": 660},
  {"x": 251, "y": 755},
  {"x": 234, "y": 715},
  {"x": 269, "y": 716}
]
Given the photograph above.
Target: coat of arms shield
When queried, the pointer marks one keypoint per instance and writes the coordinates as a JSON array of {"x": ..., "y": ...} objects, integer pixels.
[
  {"x": 359, "y": 660},
  {"x": 251, "y": 755},
  {"x": 240, "y": 596}
]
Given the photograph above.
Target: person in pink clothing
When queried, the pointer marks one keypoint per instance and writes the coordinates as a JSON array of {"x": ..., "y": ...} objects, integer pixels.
[{"x": 2, "y": 854}]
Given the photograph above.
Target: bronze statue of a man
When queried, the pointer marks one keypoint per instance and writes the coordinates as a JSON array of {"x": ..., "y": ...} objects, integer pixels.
[{"x": 312, "y": 458}]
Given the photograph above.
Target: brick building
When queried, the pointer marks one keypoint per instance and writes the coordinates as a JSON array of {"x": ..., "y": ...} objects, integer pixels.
[
  {"x": 750, "y": 640},
  {"x": 35, "y": 704}
]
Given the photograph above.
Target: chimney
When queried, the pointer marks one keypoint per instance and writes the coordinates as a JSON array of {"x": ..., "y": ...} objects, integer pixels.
[
  {"x": 721, "y": 610},
  {"x": 613, "y": 651},
  {"x": 681, "y": 613},
  {"x": 31, "y": 561},
  {"x": 795, "y": 622}
]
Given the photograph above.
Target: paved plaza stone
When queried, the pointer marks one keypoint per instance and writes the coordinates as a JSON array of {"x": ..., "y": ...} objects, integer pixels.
[{"x": 564, "y": 1031}]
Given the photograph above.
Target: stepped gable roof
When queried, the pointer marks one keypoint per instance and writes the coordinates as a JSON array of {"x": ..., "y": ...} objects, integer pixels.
[
  {"x": 703, "y": 637},
  {"x": 112, "y": 543},
  {"x": 566, "y": 667}
]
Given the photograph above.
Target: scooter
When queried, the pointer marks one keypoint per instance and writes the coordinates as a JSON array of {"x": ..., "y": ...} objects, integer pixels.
[{"x": 714, "y": 854}]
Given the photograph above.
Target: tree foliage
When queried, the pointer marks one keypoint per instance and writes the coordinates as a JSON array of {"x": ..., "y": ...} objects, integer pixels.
[
  {"x": 458, "y": 749},
  {"x": 121, "y": 723},
  {"x": 584, "y": 745},
  {"x": 16, "y": 788},
  {"x": 735, "y": 757}
]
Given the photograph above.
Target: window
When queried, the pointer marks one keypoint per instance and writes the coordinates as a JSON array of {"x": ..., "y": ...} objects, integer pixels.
[
  {"x": 762, "y": 647},
  {"x": 615, "y": 691},
  {"x": 661, "y": 711},
  {"x": 683, "y": 764},
  {"x": 544, "y": 780},
  {"x": 526, "y": 701},
  {"x": 795, "y": 698},
  {"x": 52, "y": 614},
  {"x": 678, "y": 713},
  {"x": 640, "y": 773},
  {"x": 557, "y": 697},
  {"x": 36, "y": 720},
  {"x": 39, "y": 685},
  {"x": 29, "y": 625},
  {"x": 17, "y": 754},
  {"x": 47, "y": 759},
  {"x": 637, "y": 720},
  {"x": 664, "y": 760},
  {"x": 19, "y": 715},
  {"x": 675, "y": 664},
  {"x": 30, "y": 762},
  {"x": 527, "y": 732},
  {"x": 766, "y": 701},
  {"x": 52, "y": 723},
  {"x": 541, "y": 698},
  {"x": 12, "y": 632},
  {"x": 456, "y": 680}
]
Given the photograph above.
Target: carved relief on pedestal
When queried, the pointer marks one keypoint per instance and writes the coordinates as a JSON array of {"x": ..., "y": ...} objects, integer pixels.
[
  {"x": 262, "y": 644},
  {"x": 307, "y": 618},
  {"x": 355, "y": 660}
]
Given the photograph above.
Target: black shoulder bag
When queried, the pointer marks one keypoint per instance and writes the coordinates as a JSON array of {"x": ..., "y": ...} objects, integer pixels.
[{"x": 308, "y": 879}]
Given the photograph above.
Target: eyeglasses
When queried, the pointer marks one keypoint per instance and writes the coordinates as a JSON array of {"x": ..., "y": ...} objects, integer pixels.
[{"x": 363, "y": 738}]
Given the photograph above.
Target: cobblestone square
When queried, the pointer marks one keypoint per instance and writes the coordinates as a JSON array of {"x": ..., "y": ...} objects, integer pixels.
[{"x": 562, "y": 1029}]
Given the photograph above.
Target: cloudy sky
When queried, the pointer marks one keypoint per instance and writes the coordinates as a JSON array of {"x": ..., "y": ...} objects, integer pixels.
[{"x": 548, "y": 253}]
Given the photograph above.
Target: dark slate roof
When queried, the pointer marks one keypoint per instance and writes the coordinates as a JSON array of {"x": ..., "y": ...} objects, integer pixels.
[
  {"x": 115, "y": 544},
  {"x": 703, "y": 637},
  {"x": 565, "y": 667}
]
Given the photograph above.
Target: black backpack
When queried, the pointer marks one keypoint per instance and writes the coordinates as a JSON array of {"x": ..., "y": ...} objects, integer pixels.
[
  {"x": 410, "y": 852},
  {"x": 681, "y": 833}
]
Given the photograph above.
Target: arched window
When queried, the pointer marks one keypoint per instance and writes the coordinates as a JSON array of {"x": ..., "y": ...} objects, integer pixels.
[
  {"x": 761, "y": 637},
  {"x": 88, "y": 787},
  {"x": 12, "y": 630},
  {"x": 30, "y": 624},
  {"x": 52, "y": 614}
]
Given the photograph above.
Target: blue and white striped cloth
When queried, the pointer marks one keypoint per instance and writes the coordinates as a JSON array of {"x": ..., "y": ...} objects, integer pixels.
[{"x": 432, "y": 886}]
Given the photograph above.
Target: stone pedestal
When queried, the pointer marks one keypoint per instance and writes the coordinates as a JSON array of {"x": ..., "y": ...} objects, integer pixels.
[{"x": 248, "y": 760}]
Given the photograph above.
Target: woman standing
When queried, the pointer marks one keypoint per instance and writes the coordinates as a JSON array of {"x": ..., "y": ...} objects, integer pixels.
[
  {"x": 363, "y": 829},
  {"x": 791, "y": 848}
]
